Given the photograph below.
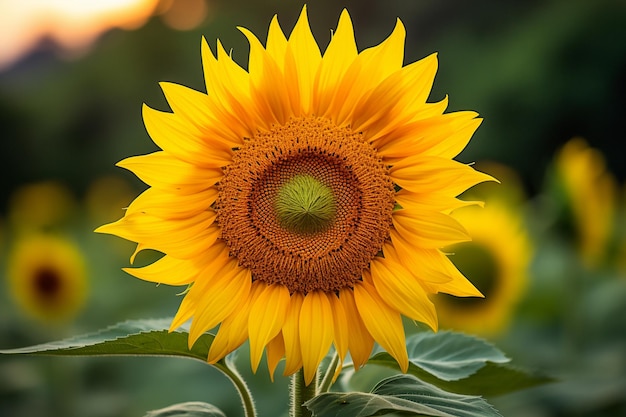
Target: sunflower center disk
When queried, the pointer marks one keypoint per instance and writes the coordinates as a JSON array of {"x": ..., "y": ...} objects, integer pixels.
[{"x": 306, "y": 205}]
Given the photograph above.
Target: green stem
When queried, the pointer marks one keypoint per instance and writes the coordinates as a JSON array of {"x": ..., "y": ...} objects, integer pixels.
[
  {"x": 242, "y": 389},
  {"x": 301, "y": 393},
  {"x": 327, "y": 381}
]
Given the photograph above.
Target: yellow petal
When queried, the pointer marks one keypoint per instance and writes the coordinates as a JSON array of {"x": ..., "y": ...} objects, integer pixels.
[
  {"x": 382, "y": 322},
  {"x": 426, "y": 229},
  {"x": 166, "y": 205},
  {"x": 165, "y": 172},
  {"x": 339, "y": 54},
  {"x": 291, "y": 335},
  {"x": 168, "y": 270},
  {"x": 397, "y": 286},
  {"x": 316, "y": 332},
  {"x": 178, "y": 137},
  {"x": 421, "y": 173},
  {"x": 432, "y": 201},
  {"x": 276, "y": 42},
  {"x": 442, "y": 135},
  {"x": 386, "y": 106},
  {"x": 368, "y": 69},
  {"x": 269, "y": 90},
  {"x": 275, "y": 352},
  {"x": 307, "y": 55},
  {"x": 267, "y": 317},
  {"x": 341, "y": 326},
  {"x": 233, "y": 331},
  {"x": 361, "y": 341},
  {"x": 182, "y": 238},
  {"x": 228, "y": 87},
  {"x": 221, "y": 296}
]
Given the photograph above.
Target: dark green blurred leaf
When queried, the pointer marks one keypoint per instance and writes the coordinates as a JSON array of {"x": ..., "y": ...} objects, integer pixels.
[
  {"x": 403, "y": 394},
  {"x": 189, "y": 409},
  {"x": 133, "y": 337},
  {"x": 462, "y": 364}
]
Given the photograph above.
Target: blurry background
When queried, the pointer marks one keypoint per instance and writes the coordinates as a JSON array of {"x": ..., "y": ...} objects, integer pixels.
[{"x": 549, "y": 78}]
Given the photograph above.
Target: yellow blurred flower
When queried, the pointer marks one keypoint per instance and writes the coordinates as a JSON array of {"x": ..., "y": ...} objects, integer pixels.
[
  {"x": 497, "y": 259},
  {"x": 278, "y": 192},
  {"x": 40, "y": 205},
  {"x": 47, "y": 277},
  {"x": 591, "y": 193}
]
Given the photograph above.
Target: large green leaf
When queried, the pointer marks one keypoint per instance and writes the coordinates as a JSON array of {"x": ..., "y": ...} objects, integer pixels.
[
  {"x": 133, "y": 337},
  {"x": 403, "y": 394},
  {"x": 461, "y": 363},
  {"x": 188, "y": 409}
]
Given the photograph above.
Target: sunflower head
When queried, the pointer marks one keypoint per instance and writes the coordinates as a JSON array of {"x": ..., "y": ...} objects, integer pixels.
[
  {"x": 47, "y": 277},
  {"x": 306, "y": 199}
]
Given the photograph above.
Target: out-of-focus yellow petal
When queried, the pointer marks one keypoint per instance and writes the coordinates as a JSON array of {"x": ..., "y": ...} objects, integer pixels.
[{"x": 275, "y": 352}]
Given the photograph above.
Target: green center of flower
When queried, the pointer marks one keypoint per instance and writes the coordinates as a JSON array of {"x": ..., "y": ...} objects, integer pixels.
[{"x": 304, "y": 205}]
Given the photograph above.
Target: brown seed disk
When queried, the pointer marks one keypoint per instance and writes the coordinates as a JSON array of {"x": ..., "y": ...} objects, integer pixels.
[{"x": 333, "y": 258}]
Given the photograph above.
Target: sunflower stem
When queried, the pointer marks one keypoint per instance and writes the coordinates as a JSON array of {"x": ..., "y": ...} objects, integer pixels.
[
  {"x": 327, "y": 381},
  {"x": 240, "y": 385},
  {"x": 300, "y": 393}
]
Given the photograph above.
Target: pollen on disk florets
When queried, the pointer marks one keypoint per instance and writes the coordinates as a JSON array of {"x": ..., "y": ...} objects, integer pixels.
[{"x": 346, "y": 198}]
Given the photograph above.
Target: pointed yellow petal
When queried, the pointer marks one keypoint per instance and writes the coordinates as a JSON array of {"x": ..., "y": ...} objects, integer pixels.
[
  {"x": 341, "y": 327},
  {"x": 269, "y": 90},
  {"x": 267, "y": 317},
  {"x": 445, "y": 203},
  {"x": 382, "y": 322},
  {"x": 400, "y": 289},
  {"x": 165, "y": 172},
  {"x": 442, "y": 135},
  {"x": 386, "y": 107},
  {"x": 228, "y": 87},
  {"x": 168, "y": 270},
  {"x": 421, "y": 174},
  {"x": 181, "y": 238},
  {"x": 428, "y": 229},
  {"x": 291, "y": 335},
  {"x": 275, "y": 352},
  {"x": 182, "y": 139},
  {"x": 360, "y": 342},
  {"x": 307, "y": 54},
  {"x": 276, "y": 42},
  {"x": 337, "y": 58},
  {"x": 166, "y": 205},
  {"x": 221, "y": 296},
  {"x": 316, "y": 332},
  {"x": 233, "y": 331},
  {"x": 368, "y": 69}
]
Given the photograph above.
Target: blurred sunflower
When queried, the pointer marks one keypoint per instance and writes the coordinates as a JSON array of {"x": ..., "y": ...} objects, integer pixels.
[
  {"x": 47, "y": 277},
  {"x": 497, "y": 259},
  {"x": 591, "y": 197},
  {"x": 306, "y": 199},
  {"x": 40, "y": 205}
]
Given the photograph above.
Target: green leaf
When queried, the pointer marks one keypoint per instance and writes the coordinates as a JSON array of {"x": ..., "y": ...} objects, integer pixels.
[
  {"x": 446, "y": 355},
  {"x": 188, "y": 409},
  {"x": 129, "y": 338},
  {"x": 462, "y": 364},
  {"x": 403, "y": 394}
]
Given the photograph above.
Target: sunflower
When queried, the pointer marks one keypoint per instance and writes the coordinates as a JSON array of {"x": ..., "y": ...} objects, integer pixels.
[
  {"x": 497, "y": 259},
  {"x": 591, "y": 195},
  {"x": 47, "y": 277},
  {"x": 305, "y": 201}
]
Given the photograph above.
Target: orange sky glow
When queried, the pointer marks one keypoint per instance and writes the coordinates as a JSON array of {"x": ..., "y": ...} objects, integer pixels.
[{"x": 72, "y": 24}]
